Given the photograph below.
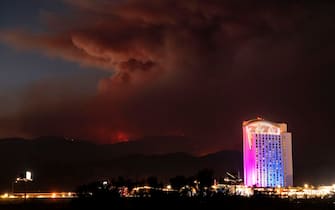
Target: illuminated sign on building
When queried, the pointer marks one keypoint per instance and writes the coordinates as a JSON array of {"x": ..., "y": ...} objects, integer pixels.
[{"x": 261, "y": 128}]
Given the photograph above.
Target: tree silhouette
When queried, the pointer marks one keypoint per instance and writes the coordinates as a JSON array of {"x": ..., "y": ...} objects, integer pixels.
[
  {"x": 152, "y": 181},
  {"x": 205, "y": 177},
  {"x": 178, "y": 182}
]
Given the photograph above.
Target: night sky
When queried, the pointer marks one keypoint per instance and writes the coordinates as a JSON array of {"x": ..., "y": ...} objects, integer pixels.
[{"x": 113, "y": 70}]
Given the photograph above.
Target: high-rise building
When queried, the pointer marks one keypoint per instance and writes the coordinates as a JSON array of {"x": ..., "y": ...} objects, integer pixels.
[{"x": 267, "y": 153}]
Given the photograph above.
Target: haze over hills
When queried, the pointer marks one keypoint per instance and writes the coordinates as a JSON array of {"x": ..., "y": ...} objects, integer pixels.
[{"x": 64, "y": 163}]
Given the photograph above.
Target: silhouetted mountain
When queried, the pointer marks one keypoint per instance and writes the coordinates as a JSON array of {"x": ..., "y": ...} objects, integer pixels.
[{"x": 64, "y": 163}]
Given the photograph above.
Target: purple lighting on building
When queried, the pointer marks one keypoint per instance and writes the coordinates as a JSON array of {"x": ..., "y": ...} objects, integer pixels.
[{"x": 267, "y": 154}]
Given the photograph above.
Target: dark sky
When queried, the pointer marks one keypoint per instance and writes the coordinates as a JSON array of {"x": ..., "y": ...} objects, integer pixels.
[{"x": 113, "y": 70}]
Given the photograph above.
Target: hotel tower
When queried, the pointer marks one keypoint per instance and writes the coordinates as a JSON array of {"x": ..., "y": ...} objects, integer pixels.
[{"x": 267, "y": 153}]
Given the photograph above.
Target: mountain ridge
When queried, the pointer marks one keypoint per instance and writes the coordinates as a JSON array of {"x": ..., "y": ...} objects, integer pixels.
[{"x": 63, "y": 164}]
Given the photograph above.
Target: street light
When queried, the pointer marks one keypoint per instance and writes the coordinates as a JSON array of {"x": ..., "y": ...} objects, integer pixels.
[{"x": 27, "y": 178}]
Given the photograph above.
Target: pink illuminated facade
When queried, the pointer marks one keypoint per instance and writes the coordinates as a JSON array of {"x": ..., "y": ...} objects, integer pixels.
[{"x": 267, "y": 153}]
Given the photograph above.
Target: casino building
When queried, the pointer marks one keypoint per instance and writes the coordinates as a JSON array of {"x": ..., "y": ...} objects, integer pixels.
[{"x": 267, "y": 154}]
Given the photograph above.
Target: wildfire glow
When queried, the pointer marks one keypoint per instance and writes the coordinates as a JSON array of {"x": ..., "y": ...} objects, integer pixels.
[{"x": 122, "y": 137}]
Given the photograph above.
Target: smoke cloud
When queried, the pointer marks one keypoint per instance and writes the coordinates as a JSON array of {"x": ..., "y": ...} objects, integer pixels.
[{"x": 194, "y": 68}]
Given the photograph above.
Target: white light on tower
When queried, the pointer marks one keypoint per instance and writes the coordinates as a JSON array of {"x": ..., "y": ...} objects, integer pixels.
[{"x": 28, "y": 176}]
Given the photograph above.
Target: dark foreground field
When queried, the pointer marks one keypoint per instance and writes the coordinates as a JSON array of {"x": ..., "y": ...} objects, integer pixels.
[{"x": 172, "y": 204}]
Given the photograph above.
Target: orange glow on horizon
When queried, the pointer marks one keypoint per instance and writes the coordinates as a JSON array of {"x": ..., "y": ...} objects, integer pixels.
[
  {"x": 122, "y": 137},
  {"x": 108, "y": 135}
]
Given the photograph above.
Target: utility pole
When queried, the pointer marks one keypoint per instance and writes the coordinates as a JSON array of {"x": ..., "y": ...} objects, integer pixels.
[
  {"x": 25, "y": 190},
  {"x": 12, "y": 186}
]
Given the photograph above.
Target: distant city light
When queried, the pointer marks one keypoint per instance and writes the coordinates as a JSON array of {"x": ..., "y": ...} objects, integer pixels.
[
  {"x": 39, "y": 195},
  {"x": 5, "y": 195}
]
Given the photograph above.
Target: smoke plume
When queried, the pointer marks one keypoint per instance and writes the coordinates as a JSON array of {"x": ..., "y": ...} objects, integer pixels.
[{"x": 194, "y": 68}]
